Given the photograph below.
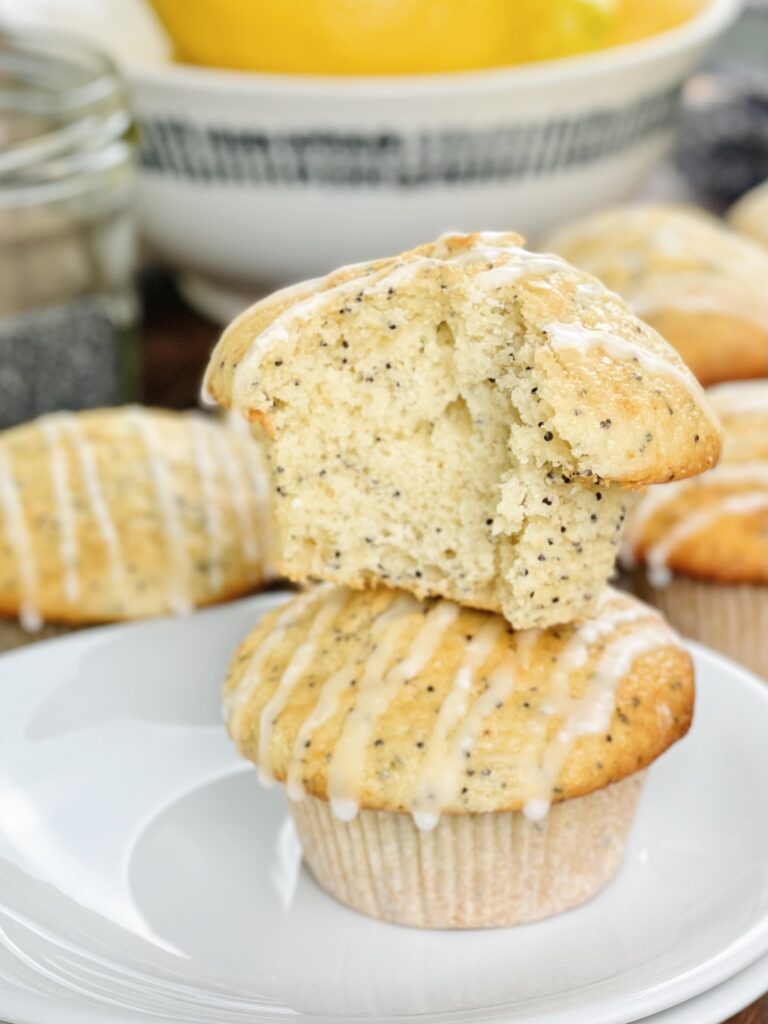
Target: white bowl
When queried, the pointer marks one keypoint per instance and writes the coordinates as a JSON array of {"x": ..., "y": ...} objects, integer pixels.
[{"x": 258, "y": 179}]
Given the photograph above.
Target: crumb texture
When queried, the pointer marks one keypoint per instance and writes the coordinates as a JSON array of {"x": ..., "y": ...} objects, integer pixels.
[
  {"x": 461, "y": 421},
  {"x": 125, "y": 513},
  {"x": 374, "y": 700},
  {"x": 714, "y": 527},
  {"x": 701, "y": 285}
]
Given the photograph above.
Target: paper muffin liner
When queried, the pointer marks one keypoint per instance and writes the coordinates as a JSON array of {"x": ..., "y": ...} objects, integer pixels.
[
  {"x": 731, "y": 618},
  {"x": 472, "y": 870}
]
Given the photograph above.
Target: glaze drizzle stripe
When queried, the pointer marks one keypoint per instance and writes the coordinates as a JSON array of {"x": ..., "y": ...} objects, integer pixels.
[
  {"x": 160, "y": 474},
  {"x": 211, "y": 513},
  {"x": 375, "y": 692},
  {"x": 240, "y": 503},
  {"x": 65, "y": 513},
  {"x": 299, "y": 663},
  {"x": 434, "y": 784},
  {"x": 330, "y": 695},
  {"x": 105, "y": 523},
  {"x": 21, "y": 543}
]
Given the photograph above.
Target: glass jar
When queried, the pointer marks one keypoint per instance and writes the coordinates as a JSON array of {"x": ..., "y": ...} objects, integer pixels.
[{"x": 67, "y": 302}]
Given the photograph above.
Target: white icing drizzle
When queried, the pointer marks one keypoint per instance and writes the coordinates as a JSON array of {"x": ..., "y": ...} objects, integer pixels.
[
  {"x": 65, "y": 511},
  {"x": 21, "y": 544},
  {"x": 701, "y": 292},
  {"x": 657, "y": 556},
  {"x": 203, "y": 463},
  {"x": 376, "y": 690},
  {"x": 435, "y": 785},
  {"x": 239, "y": 496},
  {"x": 331, "y": 693},
  {"x": 105, "y": 524},
  {"x": 746, "y": 397},
  {"x": 179, "y": 585},
  {"x": 577, "y": 336},
  {"x": 576, "y": 714},
  {"x": 299, "y": 663},
  {"x": 238, "y": 699},
  {"x": 591, "y": 714}
]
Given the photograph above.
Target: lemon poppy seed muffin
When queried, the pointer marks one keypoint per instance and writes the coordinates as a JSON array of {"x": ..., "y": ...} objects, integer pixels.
[
  {"x": 445, "y": 770},
  {"x": 460, "y": 421},
  {"x": 684, "y": 272},
  {"x": 126, "y": 513},
  {"x": 699, "y": 548},
  {"x": 749, "y": 215}
]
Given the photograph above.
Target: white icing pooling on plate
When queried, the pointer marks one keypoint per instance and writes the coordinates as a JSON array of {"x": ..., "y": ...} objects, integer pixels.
[
  {"x": 435, "y": 784},
  {"x": 203, "y": 463},
  {"x": 578, "y": 337},
  {"x": 50, "y": 429},
  {"x": 299, "y": 663},
  {"x": 657, "y": 557},
  {"x": 375, "y": 692},
  {"x": 179, "y": 595},
  {"x": 332, "y": 691},
  {"x": 94, "y": 491},
  {"x": 592, "y": 712},
  {"x": 21, "y": 544}
]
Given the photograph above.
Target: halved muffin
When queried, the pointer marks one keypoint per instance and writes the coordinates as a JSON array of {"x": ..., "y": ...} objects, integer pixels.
[
  {"x": 461, "y": 421},
  {"x": 699, "y": 548},
  {"x": 445, "y": 770},
  {"x": 119, "y": 514},
  {"x": 684, "y": 272}
]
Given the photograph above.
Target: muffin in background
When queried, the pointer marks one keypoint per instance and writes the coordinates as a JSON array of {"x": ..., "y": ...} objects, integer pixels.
[
  {"x": 445, "y": 771},
  {"x": 749, "y": 215},
  {"x": 118, "y": 514},
  {"x": 701, "y": 285},
  {"x": 463, "y": 420},
  {"x": 698, "y": 549}
]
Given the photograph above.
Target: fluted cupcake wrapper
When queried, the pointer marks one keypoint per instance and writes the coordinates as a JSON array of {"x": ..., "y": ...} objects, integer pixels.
[
  {"x": 733, "y": 619},
  {"x": 472, "y": 870}
]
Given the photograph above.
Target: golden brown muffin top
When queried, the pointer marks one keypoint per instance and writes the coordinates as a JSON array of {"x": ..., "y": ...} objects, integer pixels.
[
  {"x": 716, "y": 526},
  {"x": 749, "y": 216},
  {"x": 378, "y": 701},
  {"x": 125, "y": 513},
  {"x": 683, "y": 271},
  {"x": 592, "y": 362}
]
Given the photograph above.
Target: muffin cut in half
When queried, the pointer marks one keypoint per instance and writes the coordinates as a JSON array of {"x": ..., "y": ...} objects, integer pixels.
[
  {"x": 684, "y": 272},
  {"x": 445, "y": 770},
  {"x": 126, "y": 513},
  {"x": 749, "y": 215},
  {"x": 699, "y": 548},
  {"x": 461, "y": 421}
]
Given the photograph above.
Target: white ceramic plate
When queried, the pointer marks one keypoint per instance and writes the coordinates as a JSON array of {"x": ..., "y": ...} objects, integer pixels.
[
  {"x": 720, "y": 1003},
  {"x": 143, "y": 872}
]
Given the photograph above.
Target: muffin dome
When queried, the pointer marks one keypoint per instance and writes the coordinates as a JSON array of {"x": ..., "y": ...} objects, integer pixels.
[
  {"x": 457, "y": 421},
  {"x": 699, "y": 284},
  {"x": 749, "y": 216},
  {"x": 376, "y": 701},
  {"x": 716, "y": 526},
  {"x": 126, "y": 513}
]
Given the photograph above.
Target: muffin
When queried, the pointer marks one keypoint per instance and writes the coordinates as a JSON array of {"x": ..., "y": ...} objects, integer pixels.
[
  {"x": 462, "y": 421},
  {"x": 119, "y": 514},
  {"x": 445, "y": 770},
  {"x": 699, "y": 284},
  {"x": 699, "y": 548},
  {"x": 749, "y": 216}
]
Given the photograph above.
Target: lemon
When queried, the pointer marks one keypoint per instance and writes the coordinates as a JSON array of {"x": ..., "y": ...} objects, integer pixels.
[
  {"x": 636, "y": 19},
  {"x": 376, "y": 37}
]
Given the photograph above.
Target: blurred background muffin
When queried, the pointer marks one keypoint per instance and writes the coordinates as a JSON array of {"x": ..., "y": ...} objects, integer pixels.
[
  {"x": 120, "y": 514},
  {"x": 699, "y": 548},
  {"x": 749, "y": 215},
  {"x": 702, "y": 286}
]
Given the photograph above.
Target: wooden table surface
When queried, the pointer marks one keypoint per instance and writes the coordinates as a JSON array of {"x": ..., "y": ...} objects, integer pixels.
[{"x": 176, "y": 343}]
